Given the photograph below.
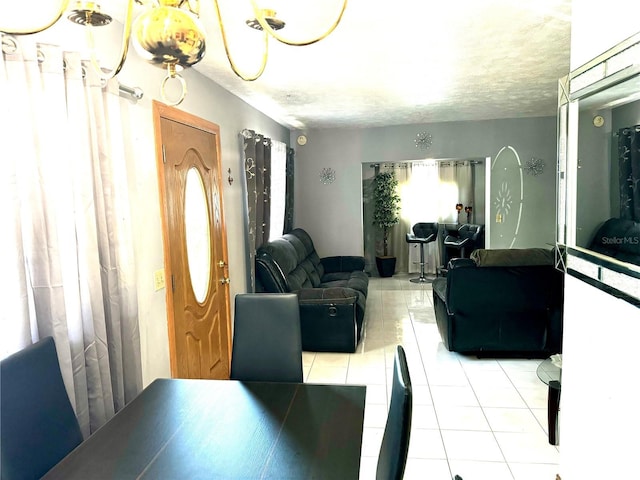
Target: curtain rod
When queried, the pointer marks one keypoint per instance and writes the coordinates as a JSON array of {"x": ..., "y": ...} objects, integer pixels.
[
  {"x": 390, "y": 164},
  {"x": 135, "y": 92},
  {"x": 442, "y": 162}
]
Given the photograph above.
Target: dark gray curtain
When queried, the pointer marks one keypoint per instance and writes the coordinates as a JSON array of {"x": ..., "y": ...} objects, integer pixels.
[
  {"x": 629, "y": 163},
  {"x": 288, "y": 209},
  {"x": 256, "y": 150}
]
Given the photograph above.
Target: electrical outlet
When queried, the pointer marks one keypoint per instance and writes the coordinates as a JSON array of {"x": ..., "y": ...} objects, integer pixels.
[{"x": 158, "y": 279}]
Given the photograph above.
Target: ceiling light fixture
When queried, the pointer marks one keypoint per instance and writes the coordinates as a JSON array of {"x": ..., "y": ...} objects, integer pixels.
[{"x": 169, "y": 34}]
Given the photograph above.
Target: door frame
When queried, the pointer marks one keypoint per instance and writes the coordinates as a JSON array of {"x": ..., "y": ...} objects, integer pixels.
[{"x": 160, "y": 110}]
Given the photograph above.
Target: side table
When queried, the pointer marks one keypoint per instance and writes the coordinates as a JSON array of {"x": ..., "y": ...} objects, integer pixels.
[{"x": 551, "y": 375}]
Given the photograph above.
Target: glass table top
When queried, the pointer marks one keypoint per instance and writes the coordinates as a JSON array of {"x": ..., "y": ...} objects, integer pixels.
[{"x": 549, "y": 371}]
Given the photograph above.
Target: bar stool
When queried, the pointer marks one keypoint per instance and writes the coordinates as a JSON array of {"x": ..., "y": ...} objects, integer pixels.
[
  {"x": 464, "y": 243},
  {"x": 423, "y": 233}
]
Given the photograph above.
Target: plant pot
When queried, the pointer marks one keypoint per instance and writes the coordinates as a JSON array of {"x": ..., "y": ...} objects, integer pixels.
[{"x": 386, "y": 266}]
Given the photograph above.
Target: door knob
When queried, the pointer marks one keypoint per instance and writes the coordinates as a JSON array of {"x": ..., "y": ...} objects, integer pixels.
[
  {"x": 221, "y": 263},
  {"x": 225, "y": 280}
]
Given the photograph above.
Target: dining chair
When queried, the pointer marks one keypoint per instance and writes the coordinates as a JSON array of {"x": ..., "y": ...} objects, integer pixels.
[
  {"x": 38, "y": 426},
  {"x": 395, "y": 441},
  {"x": 267, "y": 345}
]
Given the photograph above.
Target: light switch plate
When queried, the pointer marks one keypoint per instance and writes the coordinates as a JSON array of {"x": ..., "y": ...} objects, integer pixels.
[{"x": 158, "y": 279}]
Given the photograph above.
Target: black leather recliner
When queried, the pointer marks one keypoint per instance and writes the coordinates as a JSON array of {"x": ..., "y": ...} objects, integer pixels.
[
  {"x": 332, "y": 291},
  {"x": 506, "y": 301}
]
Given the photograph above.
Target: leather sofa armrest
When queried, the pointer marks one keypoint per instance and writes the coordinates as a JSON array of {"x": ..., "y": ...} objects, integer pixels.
[
  {"x": 460, "y": 263},
  {"x": 345, "y": 263},
  {"x": 270, "y": 275}
]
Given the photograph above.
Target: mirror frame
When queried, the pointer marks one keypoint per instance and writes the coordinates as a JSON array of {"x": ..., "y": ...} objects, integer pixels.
[{"x": 619, "y": 64}]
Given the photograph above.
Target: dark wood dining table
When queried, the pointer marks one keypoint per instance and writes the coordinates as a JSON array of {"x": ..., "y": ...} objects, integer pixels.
[{"x": 223, "y": 429}]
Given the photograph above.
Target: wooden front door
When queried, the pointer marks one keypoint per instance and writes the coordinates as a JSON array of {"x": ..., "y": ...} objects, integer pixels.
[{"x": 195, "y": 246}]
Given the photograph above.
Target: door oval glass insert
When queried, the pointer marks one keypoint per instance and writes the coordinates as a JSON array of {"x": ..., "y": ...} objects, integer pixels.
[
  {"x": 197, "y": 234},
  {"x": 507, "y": 186}
]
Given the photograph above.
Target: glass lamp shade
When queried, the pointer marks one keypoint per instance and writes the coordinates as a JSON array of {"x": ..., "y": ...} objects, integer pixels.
[{"x": 167, "y": 35}]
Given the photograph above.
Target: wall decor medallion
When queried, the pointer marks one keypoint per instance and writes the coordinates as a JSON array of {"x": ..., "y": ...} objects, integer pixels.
[
  {"x": 327, "y": 175},
  {"x": 534, "y": 167},
  {"x": 423, "y": 140},
  {"x": 503, "y": 201}
]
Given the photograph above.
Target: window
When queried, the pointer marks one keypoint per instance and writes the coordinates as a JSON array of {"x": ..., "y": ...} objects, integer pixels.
[{"x": 278, "y": 188}]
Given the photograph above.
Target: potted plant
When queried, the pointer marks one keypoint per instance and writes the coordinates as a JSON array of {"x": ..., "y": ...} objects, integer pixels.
[{"x": 386, "y": 207}]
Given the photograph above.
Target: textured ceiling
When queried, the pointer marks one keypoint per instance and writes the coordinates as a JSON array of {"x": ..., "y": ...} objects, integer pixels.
[{"x": 413, "y": 61}]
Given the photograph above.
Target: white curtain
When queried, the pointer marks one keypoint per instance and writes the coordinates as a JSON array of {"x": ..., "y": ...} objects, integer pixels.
[
  {"x": 278, "y": 188},
  {"x": 67, "y": 258},
  {"x": 429, "y": 191},
  {"x": 421, "y": 203},
  {"x": 457, "y": 185}
]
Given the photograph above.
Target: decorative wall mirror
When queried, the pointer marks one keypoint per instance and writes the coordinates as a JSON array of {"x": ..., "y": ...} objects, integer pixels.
[{"x": 598, "y": 233}]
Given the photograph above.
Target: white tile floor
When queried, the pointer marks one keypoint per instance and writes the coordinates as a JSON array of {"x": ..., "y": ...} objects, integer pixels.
[{"x": 483, "y": 419}]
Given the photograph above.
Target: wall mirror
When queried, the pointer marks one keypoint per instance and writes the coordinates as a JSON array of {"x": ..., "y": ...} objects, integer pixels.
[{"x": 598, "y": 232}]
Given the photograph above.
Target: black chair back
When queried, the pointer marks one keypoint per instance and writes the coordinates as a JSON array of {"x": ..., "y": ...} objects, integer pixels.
[
  {"x": 395, "y": 442},
  {"x": 37, "y": 424},
  {"x": 470, "y": 231},
  {"x": 267, "y": 345},
  {"x": 426, "y": 230}
]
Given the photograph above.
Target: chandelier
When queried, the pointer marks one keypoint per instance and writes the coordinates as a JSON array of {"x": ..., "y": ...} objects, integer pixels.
[{"x": 169, "y": 34}]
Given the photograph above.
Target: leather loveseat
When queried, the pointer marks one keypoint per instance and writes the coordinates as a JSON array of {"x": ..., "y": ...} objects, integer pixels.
[
  {"x": 503, "y": 302},
  {"x": 332, "y": 291}
]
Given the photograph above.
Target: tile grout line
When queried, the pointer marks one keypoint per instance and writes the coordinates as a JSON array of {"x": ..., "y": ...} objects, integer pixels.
[
  {"x": 433, "y": 405},
  {"x": 523, "y": 399},
  {"x": 493, "y": 433}
]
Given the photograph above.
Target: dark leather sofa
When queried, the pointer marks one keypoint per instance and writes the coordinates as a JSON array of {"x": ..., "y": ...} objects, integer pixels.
[
  {"x": 332, "y": 291},
  {"x": 501, "y": 302}
]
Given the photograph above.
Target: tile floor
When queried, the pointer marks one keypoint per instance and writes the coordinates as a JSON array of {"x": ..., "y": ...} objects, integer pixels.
[{"x": 483, "y": 419}]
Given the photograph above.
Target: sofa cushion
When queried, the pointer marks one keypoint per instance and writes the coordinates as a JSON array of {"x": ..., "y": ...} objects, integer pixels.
[
  {"x": 513, "y": 257},
  {"x": 357, "y": 280},
  {"x": 306, "y": 254}
]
